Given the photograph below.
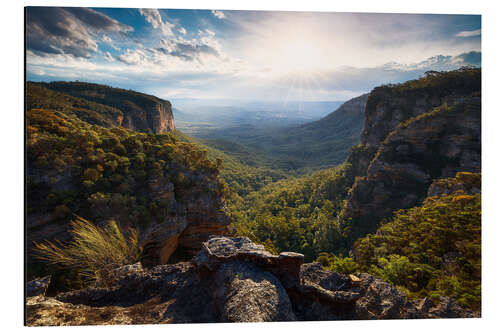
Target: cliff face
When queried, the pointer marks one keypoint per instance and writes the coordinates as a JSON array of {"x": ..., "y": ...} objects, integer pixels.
[
  {"x": 435, "y": 145},
  {"x": 154, "y": 117},
  {"x": 139, "y": 112},
  {"x": 193, "y": 217},
  {"x": 413, "y": 134},
  {"x": 234, "y": 280},
  {"x": 165, "y": 188},
  {"x": 388, "y": 106}
]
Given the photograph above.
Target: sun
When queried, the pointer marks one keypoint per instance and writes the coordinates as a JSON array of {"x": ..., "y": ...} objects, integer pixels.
[{"x": 299, "y": 55}]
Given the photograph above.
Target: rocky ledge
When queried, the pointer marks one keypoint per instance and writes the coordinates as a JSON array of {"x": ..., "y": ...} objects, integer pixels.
[{"x": 234, "y": 280}]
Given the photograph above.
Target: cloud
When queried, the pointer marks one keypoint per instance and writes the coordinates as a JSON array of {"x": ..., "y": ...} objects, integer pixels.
[
  {"x": 151, "y": 71},
  {"x": 219, "y": 14},
  {"x": 471, "y": 58},
  {"x": 133, "y": 57},
  {"x": 109, "y": 57},
  {"x": 187, "y": 50},
  {"x": 107, "y": 39},
  {"x": 153, "y": 16},
  {"x": 470, "y": 33},
  {"x": 271, "y": 55},
  {"x": 356, "y": 39},
  {"x": 353, "y": 81},
  {"x": 74, "y": 31}
]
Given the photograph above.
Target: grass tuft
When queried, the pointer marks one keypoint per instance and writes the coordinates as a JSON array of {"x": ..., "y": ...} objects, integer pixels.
[{"x": 95, "y": 252}]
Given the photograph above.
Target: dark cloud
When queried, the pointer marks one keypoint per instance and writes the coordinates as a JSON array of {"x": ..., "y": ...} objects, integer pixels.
[
  {"x": 61, "y": 30},
  {"x": 472, "y": 58}
]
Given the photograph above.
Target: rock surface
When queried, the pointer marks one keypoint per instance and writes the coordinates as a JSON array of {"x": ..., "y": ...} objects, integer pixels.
[
  {"x": 466, "y": 182},
  {"x": 413, "y": 134},
  {"x": 233, "y": 280},
  {"x": 191, "y": 213},
  {"x": 435, "y": 145},
  {"x": 187, "y": 226},
  {"x": 389, "y": 105},
  {"x": 38, "y": 287},
  {"x": 140, "y": 112}
]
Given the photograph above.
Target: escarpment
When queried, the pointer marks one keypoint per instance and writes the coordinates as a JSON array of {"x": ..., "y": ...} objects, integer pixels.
[
  {"x": 80, "y": 162},
  {"x": 414, "y": 133},
  {"x": 137, "y": 111},
  {"x": 388, "y": 106},
  {"x": 234, "y": 280}
]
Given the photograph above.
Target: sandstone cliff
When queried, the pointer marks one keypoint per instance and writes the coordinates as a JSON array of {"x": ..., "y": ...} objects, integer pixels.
[
  {"x": 139, "y": 112},
  {"x": 387, "y": 106},
  {"x": 233, "y": 280},
  {"x": 414, "y": 133},
  {"x": 80, "y": 164}
]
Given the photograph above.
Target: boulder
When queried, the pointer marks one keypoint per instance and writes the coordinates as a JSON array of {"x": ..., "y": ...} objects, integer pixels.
[
  {"x": 246, "y": 293},
  {"x": 38, "y": 287},
  {"x": 234, "y": 280}
]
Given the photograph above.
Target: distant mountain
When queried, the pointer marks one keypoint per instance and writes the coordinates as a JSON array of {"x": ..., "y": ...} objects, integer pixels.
[
  {"x": 315, "y": 145},
  {"x": 202, "y": 117},
  {"x": 127, "y": 108}
]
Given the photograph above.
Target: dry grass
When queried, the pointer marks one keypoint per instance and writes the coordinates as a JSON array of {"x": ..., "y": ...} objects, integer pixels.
[{"x": 94, "y": 251}]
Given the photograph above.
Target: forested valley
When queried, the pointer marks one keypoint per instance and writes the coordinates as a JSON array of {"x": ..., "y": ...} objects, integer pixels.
[{"x": 388, "y": 184}]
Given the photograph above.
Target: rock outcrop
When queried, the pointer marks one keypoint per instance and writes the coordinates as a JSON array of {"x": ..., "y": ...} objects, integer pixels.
[
  {"x": 189, "y": 224},
  {"x": 38, "y": 287},
  {"x": 155, "y": 117},
  {"x": 466, "y": 182},
  {"x": 233, "y": 280},
  {"x": 79, "y": 162},
  {"x": 388, "y": 106},
  {"x": 414, "y": 133},
  {"x": 435, "y": 145},
  {"x": 191, "y": 216},
  {"x": 139, "y": 112}
]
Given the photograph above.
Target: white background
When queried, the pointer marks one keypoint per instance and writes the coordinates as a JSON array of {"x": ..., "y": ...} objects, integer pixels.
[{"x": 12, "y": 161}]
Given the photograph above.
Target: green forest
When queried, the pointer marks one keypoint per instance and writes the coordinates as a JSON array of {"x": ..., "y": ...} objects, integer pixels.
[{"x": 289, "y": 192}]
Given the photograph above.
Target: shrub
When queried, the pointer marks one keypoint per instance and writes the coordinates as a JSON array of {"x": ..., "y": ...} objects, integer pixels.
[
  {"x": 94, "y": 251},
  {"x": 430, "y": 249},
  {"x": 338, "y": 263}
]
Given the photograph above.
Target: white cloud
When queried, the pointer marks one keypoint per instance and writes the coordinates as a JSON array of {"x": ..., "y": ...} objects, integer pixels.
[
  {"x": 294, "y": 40},
  {"x": 212, "y": 76},
  {"x": 470, "y": 33},
  {"x": 219, "y": 14},
  {"x": 133, "y": 57},
  {"x": 153, "y": 16},
  {"x": 265, "y": 55},
  {"x": 107, "y": 39}
]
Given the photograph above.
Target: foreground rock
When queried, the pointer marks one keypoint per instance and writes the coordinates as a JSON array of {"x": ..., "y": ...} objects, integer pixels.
[
  {"x": 38, "y": 287},
  {"x": 233, "y": 280}
]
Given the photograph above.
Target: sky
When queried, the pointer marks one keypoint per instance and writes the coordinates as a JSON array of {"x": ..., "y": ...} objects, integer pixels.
[{"x": 262, "y": 55}]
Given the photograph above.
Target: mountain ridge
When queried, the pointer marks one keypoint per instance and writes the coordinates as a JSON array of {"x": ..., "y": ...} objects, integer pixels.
[{"x": 141, "y": 112}]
